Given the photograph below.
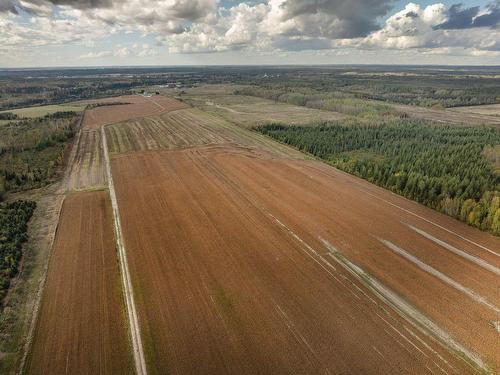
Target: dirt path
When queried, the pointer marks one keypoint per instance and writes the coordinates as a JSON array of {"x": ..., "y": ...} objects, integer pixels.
[{"x": 140, "y": 362}]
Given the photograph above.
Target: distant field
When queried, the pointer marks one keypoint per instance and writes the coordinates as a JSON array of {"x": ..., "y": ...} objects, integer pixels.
[
  {"x": 81, "y": 327},
  {"x": 180, "y": 129},
  {"x": 251, "y": 111},
  {"x": 41, "y": 111},
  {"x": 466, "y": 116},
  {"x": 186, "y": 128},
  {"x": 137, "y": 107},
  {"x": 490, "y": 110}
]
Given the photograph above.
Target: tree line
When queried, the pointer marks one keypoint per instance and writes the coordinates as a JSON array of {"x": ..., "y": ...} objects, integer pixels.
[
  {"x": 14, "y": 218},
  {"x": 440, "y": 166},
  {"x": 443, "y": 89}
]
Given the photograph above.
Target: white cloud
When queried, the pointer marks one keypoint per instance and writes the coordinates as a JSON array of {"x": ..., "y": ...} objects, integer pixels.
[
  {"x": 136, "y": 50},
  {"x": 203, "y": 26},
  {"x": 415, "y": 27},
  {"x": 153, "y": 16},
  {"x": 96, "y": 55},
  {"x": 123, "y": 52}
]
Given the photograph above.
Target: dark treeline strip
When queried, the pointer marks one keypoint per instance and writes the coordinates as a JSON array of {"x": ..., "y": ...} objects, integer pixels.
[
  {"x": 105, "y": 104},
  {"x": 8, "y": 116},
  {"x": 14, "y": 219},
  {"x": 442, "y": 167}
]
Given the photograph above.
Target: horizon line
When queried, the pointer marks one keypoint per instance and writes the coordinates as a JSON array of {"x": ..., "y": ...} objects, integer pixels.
[{"x": 243, "y": 65}]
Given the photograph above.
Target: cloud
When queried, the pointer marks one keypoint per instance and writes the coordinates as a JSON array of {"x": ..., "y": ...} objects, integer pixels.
[
  {"x": 237, "y": 28},
  {"x": 260, "y": 27},
  {"x": 145, "y": 50},
  {"x": 459, "y": 18},
  {"x": 280, "y": 24},
  {"x": 298, "y": 25},
  {"x": 96, "y": 55},
  {"x": 410, "y": 28},
  {"x": 8, "y": 6},
  {"x": 491, "y": 18},
  {"x": 465, "y": 18},
  {"x": 83, "y": 4},
  {"x": 332, "y": 18},
  {"x": 416, "y": 28},
  {"x": 27, "y": 5},
  {"x": 166, "y": 16},
  {"x": 136, "y": 50},
  {"x": 123, "y": 52}
]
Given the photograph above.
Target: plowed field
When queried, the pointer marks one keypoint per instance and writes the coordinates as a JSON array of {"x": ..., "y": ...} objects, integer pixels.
[
  {"x": 182, "y": 128},
  {"x": 88, "y": 169},
  {"x": 186, "y": 128},
  {"x": 81, "y": 326},
  {"x": 137, "y": 106},
  {"x": 247, "y": 263}
]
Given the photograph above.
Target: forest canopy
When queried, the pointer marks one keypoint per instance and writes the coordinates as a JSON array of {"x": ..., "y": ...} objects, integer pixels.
[
  {"x": 32, "y": 150},
  {"x": 14, "y": 219}
]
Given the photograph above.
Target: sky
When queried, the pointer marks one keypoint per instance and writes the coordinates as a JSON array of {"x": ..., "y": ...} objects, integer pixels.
[{"x": 51, "y": 33}]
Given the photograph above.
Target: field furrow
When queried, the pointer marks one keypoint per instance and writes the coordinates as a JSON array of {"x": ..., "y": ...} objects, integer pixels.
[
  {"x": 81, "y": 326},
  {"x": 87, "y": 171},
  {"x": 227, "y": 254}
]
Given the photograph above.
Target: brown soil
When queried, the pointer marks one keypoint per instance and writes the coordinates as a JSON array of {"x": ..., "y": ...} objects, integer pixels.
[
  {"x": 311, "y": 197},
  {"x": 230, "y": 274},
  {"x": 81, "y": 326},
  {"x": 181, "y": 128},
  {"x": 186, "y": 128},
  {"x": 138, "y": 106},
  {"x": 88, "y": 170}
]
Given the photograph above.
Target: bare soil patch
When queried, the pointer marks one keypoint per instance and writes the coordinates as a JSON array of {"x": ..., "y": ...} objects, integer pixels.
[
  {"x": 183, "y": 128},
  {"x": 138, "y": 106},
  {"x": 319, "y": 202},
  {"x": 231, "y": 275},
  {"x": 81, "y": 327},
  {"x": 88, "y": 170},
  {"x": 186, "y": 128}
]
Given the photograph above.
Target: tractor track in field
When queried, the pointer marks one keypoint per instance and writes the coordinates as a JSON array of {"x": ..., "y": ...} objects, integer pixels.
[{"x": 135, "y": 333}]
